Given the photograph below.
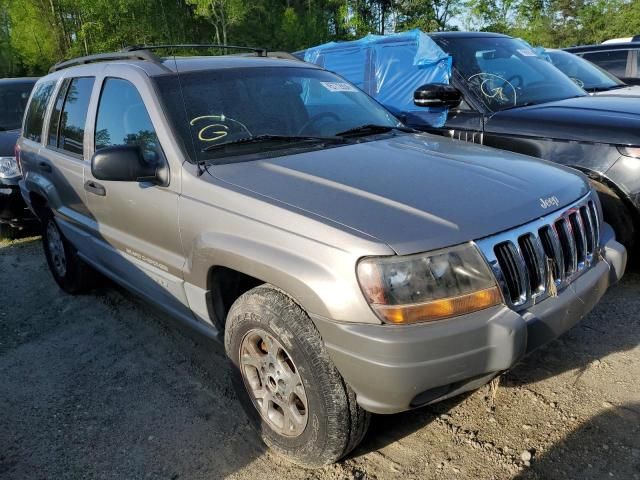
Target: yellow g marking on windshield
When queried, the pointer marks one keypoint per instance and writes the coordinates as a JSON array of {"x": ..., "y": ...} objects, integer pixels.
[
  {"x": 215, "y": 131},
  {"x": 221, "y": 132}
]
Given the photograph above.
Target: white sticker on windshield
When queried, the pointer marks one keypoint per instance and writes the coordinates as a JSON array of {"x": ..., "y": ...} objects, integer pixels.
[
  {"x": 339, "y": 87},
  {"x": 527, "y": 52}
]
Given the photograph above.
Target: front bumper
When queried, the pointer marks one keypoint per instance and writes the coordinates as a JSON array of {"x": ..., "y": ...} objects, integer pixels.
[
  {"x": 13, "y": 210},
  {"x": 395, "y": 368}
]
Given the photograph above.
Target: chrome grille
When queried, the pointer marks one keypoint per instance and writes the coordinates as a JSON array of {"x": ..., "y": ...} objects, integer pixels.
[{"x": 552, "y": 251}]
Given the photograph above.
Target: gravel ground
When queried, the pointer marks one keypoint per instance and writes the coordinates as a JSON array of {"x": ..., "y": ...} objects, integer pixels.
[{"x": 103, "y": 386}]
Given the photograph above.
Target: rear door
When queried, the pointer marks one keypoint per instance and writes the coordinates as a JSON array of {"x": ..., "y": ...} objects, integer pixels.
[
  {"x": 62, "y": 158},
  {"x": 137, "y": 237}
]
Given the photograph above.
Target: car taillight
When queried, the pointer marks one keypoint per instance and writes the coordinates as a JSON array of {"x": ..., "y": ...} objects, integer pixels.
[{"x": 16, "y": 152}]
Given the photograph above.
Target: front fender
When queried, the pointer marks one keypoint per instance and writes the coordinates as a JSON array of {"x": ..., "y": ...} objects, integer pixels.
[{"x": 321, "y": 278}]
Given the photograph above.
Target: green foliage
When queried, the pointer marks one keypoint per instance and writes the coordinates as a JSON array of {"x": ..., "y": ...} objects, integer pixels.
[
  {"x": 34, "y": 34},
  {"x": 558, "y": 23}
]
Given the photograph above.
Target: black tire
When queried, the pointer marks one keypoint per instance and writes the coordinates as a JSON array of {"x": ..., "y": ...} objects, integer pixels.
[
  {"x": 336, "y": 424},
  {"x": 77, "y": 276}
]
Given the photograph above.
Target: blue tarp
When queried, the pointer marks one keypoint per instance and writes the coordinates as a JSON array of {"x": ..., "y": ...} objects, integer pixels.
[{"x": 390, "y": 68}]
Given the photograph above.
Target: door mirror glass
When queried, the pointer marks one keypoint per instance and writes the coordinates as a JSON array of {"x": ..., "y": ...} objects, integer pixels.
[
  {"x": 125, "y": 163},
  {"x": 437, "y": 95}
]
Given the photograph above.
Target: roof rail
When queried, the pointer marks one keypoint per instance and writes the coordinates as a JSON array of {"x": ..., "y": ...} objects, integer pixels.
[
  {"x": 261, "y": 52},
  {"x": 104, "y": 57},
  {"x": 143, "y": 52}
]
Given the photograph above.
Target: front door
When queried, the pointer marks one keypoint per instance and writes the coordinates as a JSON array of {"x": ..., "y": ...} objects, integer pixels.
[{"x": 137, "y": 236}]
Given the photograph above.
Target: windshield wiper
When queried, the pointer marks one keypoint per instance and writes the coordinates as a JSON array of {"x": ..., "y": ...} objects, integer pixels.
[
  {"x": 372, "y": 129},
  {"x": 602, "y": 88},
  {"x": 270, "y": 138}
]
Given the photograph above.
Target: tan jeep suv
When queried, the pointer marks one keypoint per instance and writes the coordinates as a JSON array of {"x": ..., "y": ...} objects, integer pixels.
[{"x": 349, "y": 264}]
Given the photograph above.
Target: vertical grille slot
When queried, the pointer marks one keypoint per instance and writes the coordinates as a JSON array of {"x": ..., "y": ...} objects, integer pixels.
[
  {"x": 595, "y": 220},
  {"x": 513, "y": 272},
  {"x": 552, "y": 250},
  {"x": 533, "y": 259},
  {"x": 579, "y": 238},
  {"x": 568, "y": 245},
  {"x": 588, "y": 230}
]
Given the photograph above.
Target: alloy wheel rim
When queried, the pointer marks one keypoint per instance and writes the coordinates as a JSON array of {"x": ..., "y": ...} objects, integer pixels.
[
  {"x": 56, "y": 249},
  {"x": 274, "y": 383}
]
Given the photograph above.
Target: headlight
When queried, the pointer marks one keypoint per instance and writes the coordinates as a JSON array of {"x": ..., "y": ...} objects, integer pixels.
[
  {"x": 9, "y": 167},
  {"x": 429, "y": 286},
  {"x": 633, "y": 152}
]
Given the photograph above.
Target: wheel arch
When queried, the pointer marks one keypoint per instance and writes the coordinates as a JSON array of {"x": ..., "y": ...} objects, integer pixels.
[
  {"x": 225, "y": 266},
  {"x": 618, "y": 207}
]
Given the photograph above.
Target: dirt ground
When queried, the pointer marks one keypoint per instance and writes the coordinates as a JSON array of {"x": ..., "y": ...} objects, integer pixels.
[{"x": 103, "y": 386}]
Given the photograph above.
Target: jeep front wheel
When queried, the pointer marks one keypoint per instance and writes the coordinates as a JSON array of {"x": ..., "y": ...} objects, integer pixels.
[{"x": 286, "y": 382}]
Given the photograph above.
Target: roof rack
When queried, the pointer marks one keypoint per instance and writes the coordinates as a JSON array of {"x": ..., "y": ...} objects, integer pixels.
[
  {"x": 105, "y": 57},
  {"x": 143, "y": 52},
  {"x": 261, "y": 52}
]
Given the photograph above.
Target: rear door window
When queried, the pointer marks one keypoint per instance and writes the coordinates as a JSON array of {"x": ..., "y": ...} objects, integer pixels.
[
  {"x": 613, "y": 61},
  {"x": 37, "y": 108},
  {"x": 123, "y": 120},
  {"x": 74, "y": 115}
]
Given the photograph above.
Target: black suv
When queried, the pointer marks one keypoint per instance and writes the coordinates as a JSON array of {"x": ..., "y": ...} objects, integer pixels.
[
  {"x": 503, "y": 94},
  {"x": 619, "y": 59},
  {"x": 14, "y": 94}
]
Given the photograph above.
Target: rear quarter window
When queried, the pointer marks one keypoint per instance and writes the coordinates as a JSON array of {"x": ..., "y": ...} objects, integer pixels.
[{"x": 34, "y": 120}]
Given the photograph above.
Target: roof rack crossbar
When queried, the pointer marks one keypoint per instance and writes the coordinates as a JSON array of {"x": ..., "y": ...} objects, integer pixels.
[
  {"x": 103, "y": 57},
  {"x": 261, "y": 52}
]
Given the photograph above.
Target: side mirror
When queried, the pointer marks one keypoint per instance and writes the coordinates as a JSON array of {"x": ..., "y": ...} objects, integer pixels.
[
  {"x": 125, "y": 163},
  {"x": 437, "y": 95}
]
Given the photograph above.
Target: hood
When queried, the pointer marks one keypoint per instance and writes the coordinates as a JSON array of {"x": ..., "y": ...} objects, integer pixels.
[
  {"x": 8, "y": 141},
  {"x": 628, "y": 91},
  {"x": 413, "y": 192},
  {"x": 595, "y": 118}
]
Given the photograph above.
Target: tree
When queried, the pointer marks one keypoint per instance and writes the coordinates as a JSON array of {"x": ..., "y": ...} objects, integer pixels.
[
  {"x": 428, "y": 15},
  {"x": 223, "y": 14}
]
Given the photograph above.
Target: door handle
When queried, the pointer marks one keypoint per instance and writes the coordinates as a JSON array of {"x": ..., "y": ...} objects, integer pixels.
[
  {"x": 95, "y": 188},
  {"x": 45, "y": 167}
]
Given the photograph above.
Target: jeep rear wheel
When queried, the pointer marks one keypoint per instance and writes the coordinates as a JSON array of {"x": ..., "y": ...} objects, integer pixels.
[
  {"x": 70, "y": 273},
  {"x": 286, "y": 382}
]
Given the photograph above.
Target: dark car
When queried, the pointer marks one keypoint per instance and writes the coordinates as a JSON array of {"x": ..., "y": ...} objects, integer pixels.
[
  {"x": 620, "y": 59},
  {"x": 14, "y": 94},
  {"x": 589, "y": 76},
  {"x": 513, "y": 99},
  {"x": 501, "y": 93}
]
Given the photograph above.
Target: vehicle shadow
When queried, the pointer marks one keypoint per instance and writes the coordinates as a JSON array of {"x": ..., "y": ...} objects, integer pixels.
[{"x": 607, "y": 446}]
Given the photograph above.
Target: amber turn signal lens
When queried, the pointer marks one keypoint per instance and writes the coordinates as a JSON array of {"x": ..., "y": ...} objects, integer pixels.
[{"x": 440, "y": 309}]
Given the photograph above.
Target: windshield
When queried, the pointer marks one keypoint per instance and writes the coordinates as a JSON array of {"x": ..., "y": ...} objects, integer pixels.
[
  {"x": 506, "y": 73},
  {"x": 585, "y": 74},
  {"x": 228, "y": 106},
  {"x": 13, "y": 100}
]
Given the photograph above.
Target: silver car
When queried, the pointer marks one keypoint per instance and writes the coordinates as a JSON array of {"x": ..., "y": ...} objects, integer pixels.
[{"x": 349, "y": 264}]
